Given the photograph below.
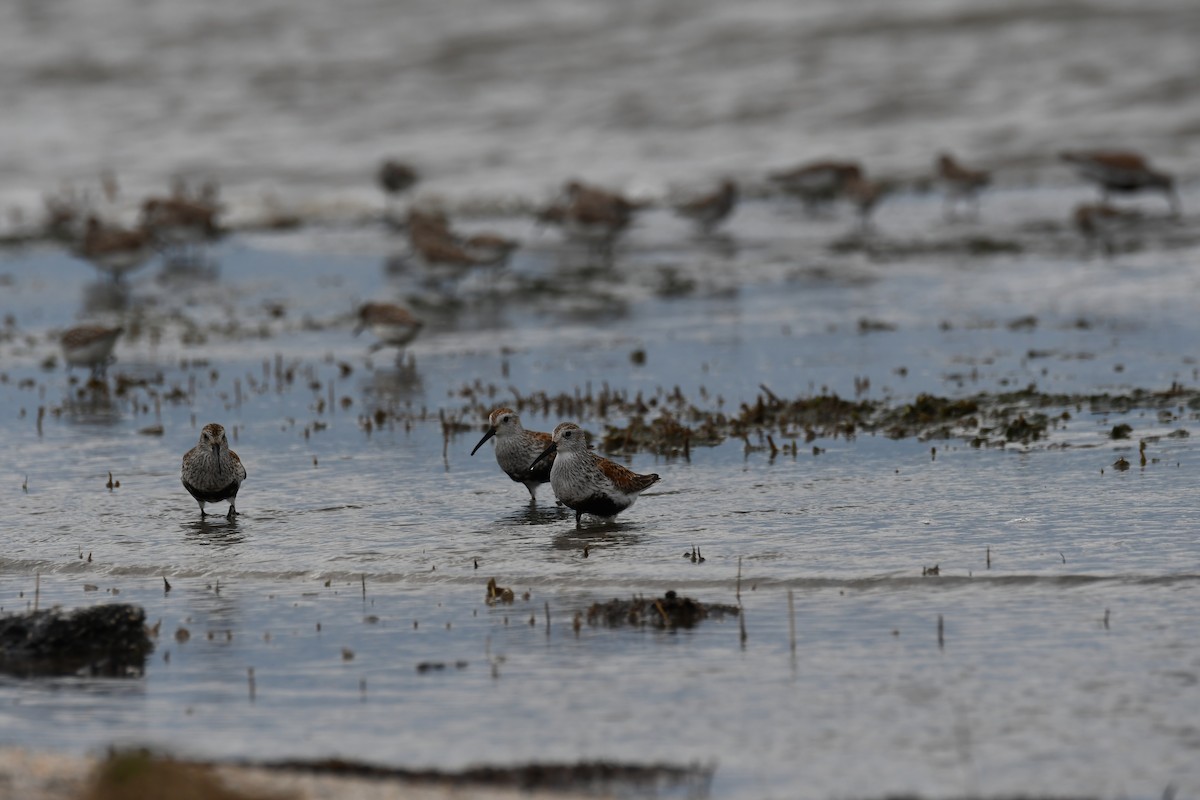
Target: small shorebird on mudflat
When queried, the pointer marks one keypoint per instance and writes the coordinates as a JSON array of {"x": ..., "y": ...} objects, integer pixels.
[
  {"x": 212, "y": 472},
  {"x": 113, "y": 249},
  {"x": 586, "y": 482},
  {"x": 392, "y": 324},
  {"x": 516, "y": 449},
  {"x": 591, "y": 215},
  {"x": 1122, "y": 171},
  {"x": 1102, "y": 224},
  {"x": 711, "y": 209},
  {"x": 864, "y": 195},
  {"x": 90, "y": 346},
  {"x": 817, "y": 183},
  {"x": 960, "y": 183},
  {"x": 183, "y": 220},
  {"x": 396, "y": 177}
]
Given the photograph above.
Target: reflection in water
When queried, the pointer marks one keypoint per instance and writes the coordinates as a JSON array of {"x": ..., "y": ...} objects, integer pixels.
[
  {"x": 544, "y": 514},
  {"x": 721, "y": 243},
  {"x": 91, "y": 403},
  {"x": 186, "y": 269},
  {"x": 213, "y": 531},
  {"x": 105, "y": 296},
  {"x": 597, "y": 534},
  {"x": 398, "y": 384}
]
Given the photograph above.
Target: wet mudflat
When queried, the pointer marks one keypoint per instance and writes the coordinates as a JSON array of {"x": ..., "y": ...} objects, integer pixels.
[{"x": 1053, "y": 652}]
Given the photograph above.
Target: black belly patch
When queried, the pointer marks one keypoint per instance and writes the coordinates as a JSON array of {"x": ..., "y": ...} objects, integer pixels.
[
  {"x": 599, "y": 505},
  {"x": 215, "y": 495},
  {"x": 536, "y": 474}
]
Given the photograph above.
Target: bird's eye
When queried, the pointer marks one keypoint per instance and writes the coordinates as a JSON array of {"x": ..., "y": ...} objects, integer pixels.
[{"x": 567, "y": 435}]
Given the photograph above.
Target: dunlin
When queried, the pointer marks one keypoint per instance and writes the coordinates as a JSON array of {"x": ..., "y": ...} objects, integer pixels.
[
  {"x": 818, "y": 183},
  {"x": 392, "y": 324},
  {"x": 490, "y": 248},
  {"x": 90, "y": 346},
  {"x": 590, "y": 214},
  {"x": 517, "y": 448},
  {"x": 711, "y": 209},
  {"x": 113, "y": 249},
  {"x": 440, "y": 252},
  {"x": 428, "y": 222},
  {"x": 1122, "y": 171},
  {"x": 586, "y": 482},
  {"x": 864, "y": 194},
  {"x": 1100, "y": 223},
  {"x": 396, "y": 177},
  {"x": 183, "y": 218},
  {"x": 960, "y": 183},
  {"x": 211, "y": 471}
]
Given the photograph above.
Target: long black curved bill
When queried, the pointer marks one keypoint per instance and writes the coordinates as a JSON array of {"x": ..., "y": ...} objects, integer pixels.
[
  {"x": 490, "y": 433},
  {"x": 549, "y": 449}
]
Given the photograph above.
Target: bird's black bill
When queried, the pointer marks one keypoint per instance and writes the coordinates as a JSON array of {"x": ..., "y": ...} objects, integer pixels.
[
  {"x": 549, "y": 449},
  {"x": 217, "y": 450},
  {"x": 490, "y": 433}
]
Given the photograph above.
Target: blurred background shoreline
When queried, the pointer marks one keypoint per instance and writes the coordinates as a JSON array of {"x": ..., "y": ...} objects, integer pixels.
[{"x": 293, "y": 104}]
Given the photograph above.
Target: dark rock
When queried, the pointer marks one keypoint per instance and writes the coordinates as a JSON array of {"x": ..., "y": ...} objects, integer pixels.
[{"x": 107, "y": 640}]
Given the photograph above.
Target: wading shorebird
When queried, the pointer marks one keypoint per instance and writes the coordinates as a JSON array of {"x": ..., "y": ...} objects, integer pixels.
[
  {"x": 393, "y": 324},
  {"x": 960, "y": 184},
  {"x": 112, "y": 249},
  {"x": 710, "y": 210},
  {"x": 864, "y": 195},
  {"x": 396, "y": 177},
  {"x": 591, "y": 215},
  {"x": 818, "y": 183},
  {"x": 1101, "y": 224},
  {"x": 516, "y": 449},
  {"x": 211, "y": 471},
  {"x": 586, "y": 482},
  {"x": 1122, "y": 171},
  {"x": 90, "y": 346}
]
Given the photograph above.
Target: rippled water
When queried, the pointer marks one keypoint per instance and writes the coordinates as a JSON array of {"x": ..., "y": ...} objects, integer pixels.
[
  {"x": 1068, "y": 665},
  {"x": 301, "y": 99},
  {"x": 1032, "y": 691}
]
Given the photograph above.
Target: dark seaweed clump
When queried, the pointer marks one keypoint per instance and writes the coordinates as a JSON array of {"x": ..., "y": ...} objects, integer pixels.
[
  {"x": 668, "y": 611},
  {"x": 669, "y": 424},
  {"x": 107, "y": 640}
]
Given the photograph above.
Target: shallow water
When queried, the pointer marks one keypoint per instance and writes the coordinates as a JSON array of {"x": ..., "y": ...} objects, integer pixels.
[
  {"x": 1069, "y": 662},
  {"x": 294, "y": 102},
  {"x": 1030, "y": 692}
]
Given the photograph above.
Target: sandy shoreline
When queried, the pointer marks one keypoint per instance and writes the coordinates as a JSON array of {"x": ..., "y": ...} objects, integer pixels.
[{"x": 38, "y": 775}]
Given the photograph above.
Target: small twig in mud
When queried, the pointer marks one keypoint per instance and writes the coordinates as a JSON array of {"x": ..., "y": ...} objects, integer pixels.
[
  {"x": 1060, "y": 555},
  {"x": 989, "y": 558},
  {"x": 742, "y": 626},
  {"x": 774, "y": 398},
  {"x": 250, "y": 682},
  {"x": 1106, "y": 619},
  {"x": 547, "y": 618},
  {"x": 662, "y": 611},
  {"x": 166, "y": 583},
  {"x": 364, "y": 586},
  {"x": 37, "y": 590},
  {"x": 738, "y": 591},
  {"x": 941, "y": 631}
]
